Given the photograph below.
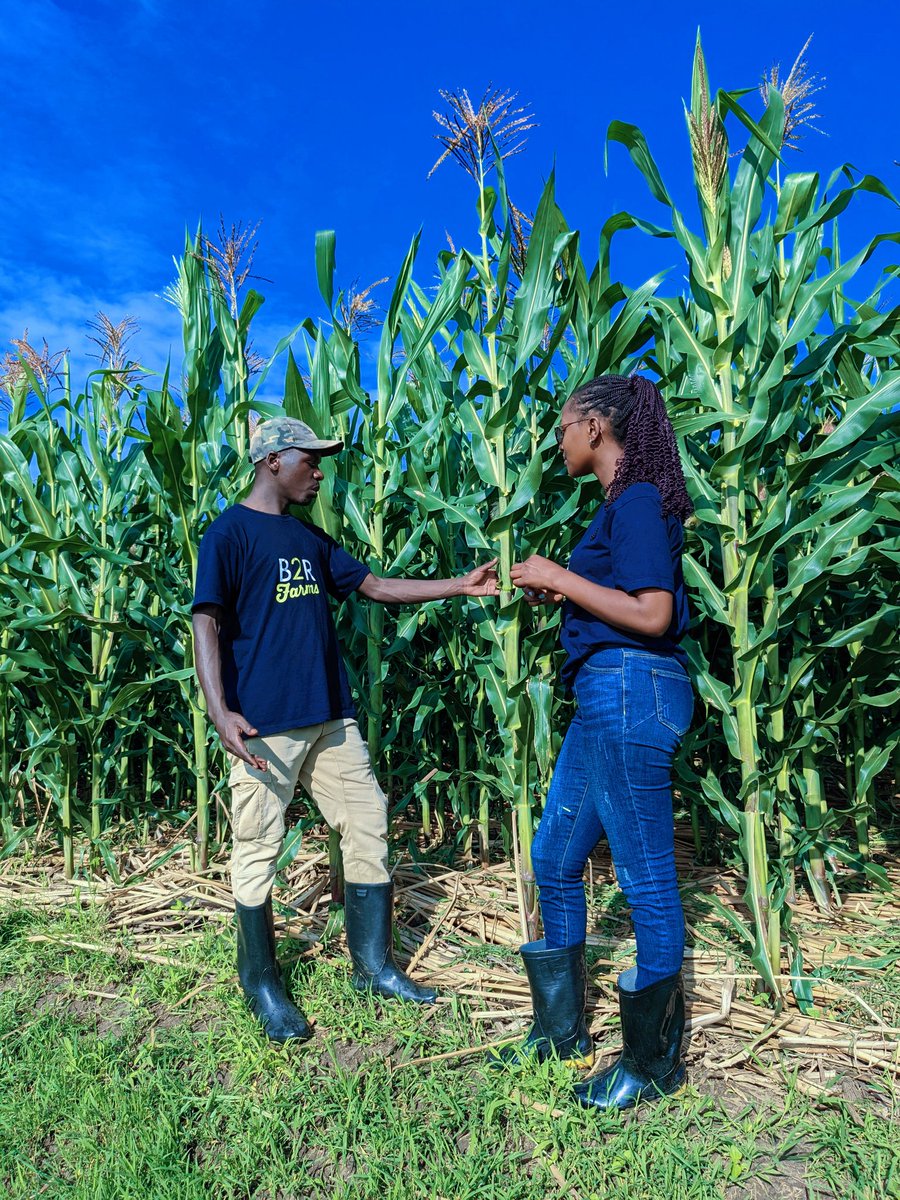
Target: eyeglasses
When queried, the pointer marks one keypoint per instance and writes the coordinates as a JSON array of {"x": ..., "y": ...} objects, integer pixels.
[{"x": 560, "y": 431}]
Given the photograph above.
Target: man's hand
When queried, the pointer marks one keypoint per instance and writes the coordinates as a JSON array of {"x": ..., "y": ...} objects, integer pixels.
[
  {"x": 482, "y": 581},
  {"x": 539, "y": 579},
  {"x": 233, "y": 728}
]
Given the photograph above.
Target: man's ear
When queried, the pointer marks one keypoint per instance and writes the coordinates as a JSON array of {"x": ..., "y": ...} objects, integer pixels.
[{"x": 273, "y": 461}]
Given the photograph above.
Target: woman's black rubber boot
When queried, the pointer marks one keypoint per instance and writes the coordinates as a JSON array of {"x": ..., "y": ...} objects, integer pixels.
[
  {"x": 650, "y": 1064},
  {"x": 261, "y": 978},
  {"x": 368, "y": 923},
  {"x": 558, "y": 982}
]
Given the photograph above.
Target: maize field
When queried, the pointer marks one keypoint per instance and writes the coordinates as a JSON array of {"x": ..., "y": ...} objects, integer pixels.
[{"x": 782, "y": 377}]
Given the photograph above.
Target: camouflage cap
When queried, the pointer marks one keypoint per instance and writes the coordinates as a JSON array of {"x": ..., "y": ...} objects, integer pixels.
[{"x": 283, "y": 433}]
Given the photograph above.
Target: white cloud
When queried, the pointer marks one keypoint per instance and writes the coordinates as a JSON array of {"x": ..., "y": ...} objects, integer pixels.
[{"x": 58, "y": 307}]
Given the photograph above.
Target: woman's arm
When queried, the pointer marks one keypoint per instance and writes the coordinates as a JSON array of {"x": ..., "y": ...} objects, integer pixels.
[
  {"x": 480, "y": 581},
  {"x": 647, "y": 611}
]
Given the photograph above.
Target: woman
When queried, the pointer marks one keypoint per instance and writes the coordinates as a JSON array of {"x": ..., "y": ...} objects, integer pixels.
[{"x": 624, "y": 614}]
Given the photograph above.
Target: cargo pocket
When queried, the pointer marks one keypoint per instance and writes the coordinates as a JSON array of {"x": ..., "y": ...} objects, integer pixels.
[{"x": 248, "y": 802}]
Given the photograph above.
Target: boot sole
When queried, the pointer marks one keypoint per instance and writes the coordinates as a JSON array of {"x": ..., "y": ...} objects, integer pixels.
[
  {"x": 291, "y": 1037},
  {"x": 304, "y": 1036},
  {"x": 364, "y": 989},
  {"x": 578, "y": 1062},
  {"x": 678, "y": 1086}
]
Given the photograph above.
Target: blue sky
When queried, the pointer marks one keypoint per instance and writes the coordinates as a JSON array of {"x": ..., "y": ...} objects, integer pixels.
[{"x": 127, "y": 122}]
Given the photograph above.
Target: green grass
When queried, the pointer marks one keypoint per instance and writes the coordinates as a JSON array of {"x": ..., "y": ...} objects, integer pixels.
[{"x": 110, "y": 1089}]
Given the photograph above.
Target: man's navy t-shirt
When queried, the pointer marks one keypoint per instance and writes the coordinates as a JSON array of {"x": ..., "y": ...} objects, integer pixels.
[
  {"x": 628, "y": 545},
  {"x": 272, "y": 575}
]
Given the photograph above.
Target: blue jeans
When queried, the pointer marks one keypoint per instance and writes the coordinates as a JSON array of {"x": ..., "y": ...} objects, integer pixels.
[{"x": 613, "y": 777}]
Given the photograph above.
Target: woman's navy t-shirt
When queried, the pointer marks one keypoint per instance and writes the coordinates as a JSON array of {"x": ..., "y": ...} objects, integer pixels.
[
  {"x": 281, "y": 663},
  {"x": 628, "y": 545}
]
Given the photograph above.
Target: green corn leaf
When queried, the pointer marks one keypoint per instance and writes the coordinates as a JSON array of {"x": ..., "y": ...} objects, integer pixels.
[{"x": 325, "y": 251}]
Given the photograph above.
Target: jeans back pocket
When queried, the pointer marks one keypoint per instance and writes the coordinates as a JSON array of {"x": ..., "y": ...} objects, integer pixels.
[{"x": 674, "y": 700}]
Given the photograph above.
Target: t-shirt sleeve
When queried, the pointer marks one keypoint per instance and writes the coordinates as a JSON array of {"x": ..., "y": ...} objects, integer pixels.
[
  {"x": 344, "y": 572},
  {"x": 217, "y": 571},
  {"x": 641, "y": 555}
]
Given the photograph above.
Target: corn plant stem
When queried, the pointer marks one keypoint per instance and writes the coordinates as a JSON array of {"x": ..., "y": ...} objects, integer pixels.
[
  {"x": 861, "y": 799},
  {"x": 511, "y": 650},
  {"x": 440, "y": 816},
  {"x": 525, "y": 836},
  {"x": 201, "y": 768},
  {"x": 814, "y": 802},
  {"x": 484, "y": 827},
  {"x": 388, "y": 771},
  {"x": 376, "y": 688},
  {"x": 195, "y": 695},
  {"x": 374, "y": 649},
  {"x": 240, "y": 421},
  {"x": 484, "y": 795},
  {"x": 816, "y": 809},
  {"x": 95, "y": 692},
  {"x": 464, "y": 796},
  {"x": 507, "y": 628},
  {"x": 510, "y": 627},
  {"x": 124, "y": 785},
  {"x": 425, "y": 815},
  {"x": 196, "y": 699},
  {"x": 786, "y": 843},
  {"x": 98, "y": 665},
  {"x": 5, "y": 781},
  {"x": 696, "y": 828},
  {"x": 510, "y": 632},
  {"x": 461, "y": 800},
  {"x": 335, "y": 867},
  {"x": 149, "y": 780},
  {"x": 488, "y": 291},
  {"x": 124, "y": 789},
  {"x": 767, "y": 932},
  {"x": 68, "y": 785}
]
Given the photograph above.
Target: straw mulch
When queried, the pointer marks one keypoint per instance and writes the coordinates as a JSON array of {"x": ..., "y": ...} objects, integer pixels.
[{"x": 447, "y": 918}]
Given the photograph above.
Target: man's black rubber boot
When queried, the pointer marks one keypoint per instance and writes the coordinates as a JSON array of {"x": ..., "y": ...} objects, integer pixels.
[
  {"x": 368, "y": 923},
  {"x": 558, "y": 982},
  {"x": 261, "y": 978},
  {"x": 650, "y": 1064}
]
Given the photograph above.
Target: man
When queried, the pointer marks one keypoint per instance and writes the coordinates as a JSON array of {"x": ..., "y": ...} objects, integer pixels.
[{"x": 270, "y": 667}]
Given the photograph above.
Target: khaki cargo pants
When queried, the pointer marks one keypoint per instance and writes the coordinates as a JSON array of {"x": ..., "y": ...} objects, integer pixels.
[{"x": 331, "y": 760}]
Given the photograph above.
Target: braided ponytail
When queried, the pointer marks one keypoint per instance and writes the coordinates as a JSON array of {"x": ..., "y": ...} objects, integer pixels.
[{"x": 636, "y": 411}]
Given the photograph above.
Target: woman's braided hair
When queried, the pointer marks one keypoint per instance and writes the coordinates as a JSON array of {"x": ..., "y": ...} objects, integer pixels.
[{"x": 640, "y": 424}]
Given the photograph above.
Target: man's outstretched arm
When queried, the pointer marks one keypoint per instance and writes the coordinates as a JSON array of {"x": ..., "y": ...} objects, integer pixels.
[{"x": 480, "y": 581}]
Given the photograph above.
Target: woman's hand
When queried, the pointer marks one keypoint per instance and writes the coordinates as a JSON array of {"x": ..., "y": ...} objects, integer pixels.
[
  {"x": 482, "y": 581},
  {"x": 538, "y": 578},
  {"x": 535, "y": 598}
]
